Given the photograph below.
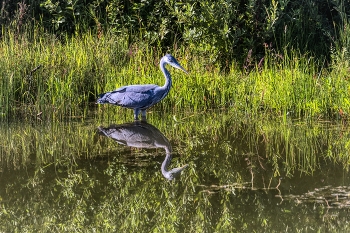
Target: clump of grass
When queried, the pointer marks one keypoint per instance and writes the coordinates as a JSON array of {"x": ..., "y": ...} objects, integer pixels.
[
  {"x": 69, "y": 72},
  {"x": 62, "y": 77}
]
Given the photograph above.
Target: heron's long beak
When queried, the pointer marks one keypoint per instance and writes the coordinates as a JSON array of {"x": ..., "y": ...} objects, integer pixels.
[
  {"x": 175, "y": 172},
  {"x": 180, "y": 68}
]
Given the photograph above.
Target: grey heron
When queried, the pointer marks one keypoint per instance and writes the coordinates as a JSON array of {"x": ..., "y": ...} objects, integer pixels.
[
  {"x": 143, "y": 135},
  {"x": 142, "y": 97}
]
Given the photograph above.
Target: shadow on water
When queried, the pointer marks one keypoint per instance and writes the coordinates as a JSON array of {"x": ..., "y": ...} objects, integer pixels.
[{"x": 143, "y": 135}]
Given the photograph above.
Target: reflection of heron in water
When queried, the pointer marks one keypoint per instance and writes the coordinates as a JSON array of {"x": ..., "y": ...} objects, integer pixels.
[
  {"x": 143, "y": 135},
  {"x": 142, "y": 97}
]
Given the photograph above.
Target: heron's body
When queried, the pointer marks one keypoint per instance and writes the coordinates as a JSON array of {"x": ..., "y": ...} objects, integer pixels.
[
  {"x": 143, "y": 135},
  {"x": 142, "y": 97}
]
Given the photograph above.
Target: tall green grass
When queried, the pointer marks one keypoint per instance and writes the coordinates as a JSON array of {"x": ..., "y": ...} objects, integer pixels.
[
  {"x": 69, "y": 73},
  {"x": 58, "y": 78}
]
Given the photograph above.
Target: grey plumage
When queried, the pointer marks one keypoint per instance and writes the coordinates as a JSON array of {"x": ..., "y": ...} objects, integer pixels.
[
  {"x": 142, "y": 97},
  {"x": 143, "y": 135}
]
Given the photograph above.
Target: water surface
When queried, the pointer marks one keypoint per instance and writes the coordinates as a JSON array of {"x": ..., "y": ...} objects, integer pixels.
[{"x": 186, "y": 173}]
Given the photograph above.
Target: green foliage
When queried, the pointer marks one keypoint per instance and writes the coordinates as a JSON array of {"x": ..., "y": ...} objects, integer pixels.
[
  {"x": 306, "y": 25},
  {"x": 227, "y": 30},
  {"x": 58, "y": 78},
  {"x": 65, "y": 15},
  {"x": 49, "y": 76}
]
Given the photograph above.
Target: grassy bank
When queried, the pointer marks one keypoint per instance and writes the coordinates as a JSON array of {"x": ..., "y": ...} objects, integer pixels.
[{"x": 61, "y": 78}]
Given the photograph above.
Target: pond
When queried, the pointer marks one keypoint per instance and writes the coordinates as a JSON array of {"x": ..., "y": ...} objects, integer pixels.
[{"x": 182, "y": 172}]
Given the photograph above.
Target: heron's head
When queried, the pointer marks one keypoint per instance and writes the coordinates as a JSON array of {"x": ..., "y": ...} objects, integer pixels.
[
  {"x": 169, "y": 59},
  {"x": 173, "y": 173}
]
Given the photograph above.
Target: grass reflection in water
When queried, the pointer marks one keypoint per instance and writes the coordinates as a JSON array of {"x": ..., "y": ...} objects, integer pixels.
[{"x": 243, "y": 176}]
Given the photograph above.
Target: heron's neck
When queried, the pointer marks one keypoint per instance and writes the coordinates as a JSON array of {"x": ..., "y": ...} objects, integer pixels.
[
  {"x": 166, "y": 161},
  {"x": 168, "y": 81},
  {"x": 173, "y": 172}
]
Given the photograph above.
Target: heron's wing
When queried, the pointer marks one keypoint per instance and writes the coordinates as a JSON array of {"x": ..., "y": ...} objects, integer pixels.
[
  {"x": 134, "y": 135},
  {"x": 133, "y": 96}
]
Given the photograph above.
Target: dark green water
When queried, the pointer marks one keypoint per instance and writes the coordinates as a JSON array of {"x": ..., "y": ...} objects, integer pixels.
[{"x": 103, "y": 175}]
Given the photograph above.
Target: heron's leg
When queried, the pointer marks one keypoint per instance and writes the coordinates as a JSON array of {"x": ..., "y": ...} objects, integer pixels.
[
  {"x": 143, "y": 115},
  {"x": 136, "y": 114}
]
